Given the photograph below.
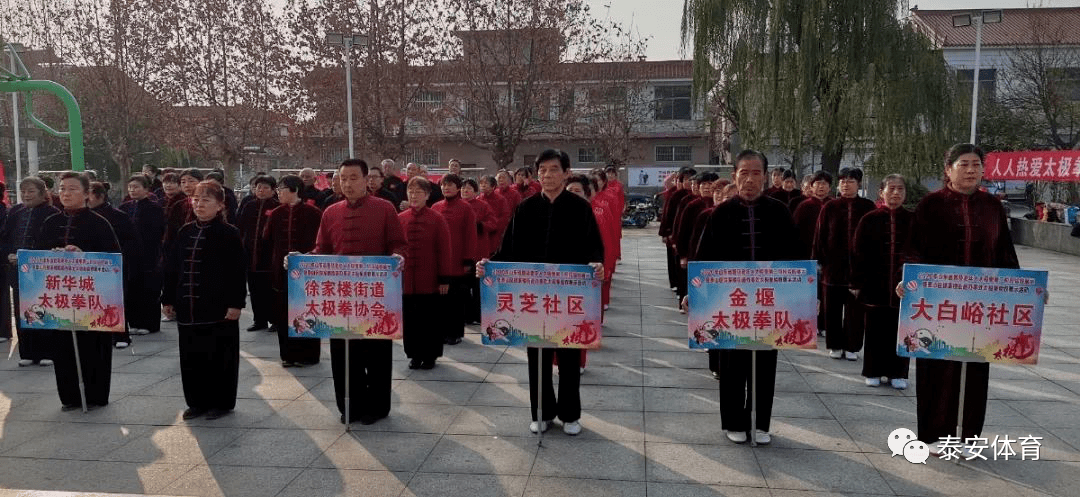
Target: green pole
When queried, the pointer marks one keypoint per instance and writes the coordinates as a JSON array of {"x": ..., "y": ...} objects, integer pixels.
[{"x": 74, "y": 134}]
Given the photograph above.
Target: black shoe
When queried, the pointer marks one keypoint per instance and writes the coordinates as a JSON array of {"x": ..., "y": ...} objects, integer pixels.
[
  {"x": 257, "y": 327},
  {"x": 716, "y": 375},
  {"x": 343, "y": 419},
  {"x": 288, "y": 364},
  {"x": 415, "y": 364},
  {"x": 70, "y": 407},
  {"x": 428, "y": 364},
  {"x": 273, "y": 329},
  {"x": 217, "y": 413},
  {"x": 452, "y": 341},
  {"x": 368, "y": 419},
  {"x": 193, "y": 412}
]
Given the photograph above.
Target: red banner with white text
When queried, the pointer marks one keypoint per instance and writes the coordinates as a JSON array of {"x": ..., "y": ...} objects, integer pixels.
[{"x": 1033, "y": 165}]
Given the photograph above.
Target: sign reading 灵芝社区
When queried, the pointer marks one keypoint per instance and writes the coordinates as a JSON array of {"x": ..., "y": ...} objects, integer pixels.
[
  {"x": 971, "y": 314},
  {"x": 752, "y": 305},
  {"x": 540, "y": 305},
  {"x": 339, "y": 296},
  {"x": 71, "y": 290}
]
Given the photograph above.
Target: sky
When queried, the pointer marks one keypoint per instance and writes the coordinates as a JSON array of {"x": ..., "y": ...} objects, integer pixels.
[{"x": 661, "y": 19}]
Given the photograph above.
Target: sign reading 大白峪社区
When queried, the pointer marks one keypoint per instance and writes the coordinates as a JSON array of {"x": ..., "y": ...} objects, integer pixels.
[
  {"x": 752, "y": 305},
  {"x": 971, "y": 314},
  {"x": 71, "y": 290},
  {"x": 540, "y": 305},
  {"x": 1033, "y": 165},
  {"x": 340, "y": 296}
]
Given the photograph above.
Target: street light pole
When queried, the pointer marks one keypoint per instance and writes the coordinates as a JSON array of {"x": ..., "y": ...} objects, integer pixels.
[
  {"x": 975, "y": 78},
  {"x": 12, "y": 48},
  {"x": 347, "y": 41}
]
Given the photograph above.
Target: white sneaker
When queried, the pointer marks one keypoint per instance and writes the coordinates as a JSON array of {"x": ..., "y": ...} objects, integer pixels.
[
  {"x": 607, "y": 306},
  {"x": 3, "y": 339},
  {"x": 898, "y": 383},
  {"x": 583, "y": 370},
  {"x": 736, "y": 436},
  {"x": 121, "y": 345},
  {"x": 872, "y": 382},
  {"x": 45, "y": 362},
  {"x": 572, "y": 428},
  {"x": 25, "y": 362},
  {"x": 538, "y": 426},
  {"x": 139, "y": 331},
  {"x": 836, "y": 354},
  {"x": 166, "y": 319},
  {"x": 851, "y": 356},
  {"x": 762, "y": 437}
]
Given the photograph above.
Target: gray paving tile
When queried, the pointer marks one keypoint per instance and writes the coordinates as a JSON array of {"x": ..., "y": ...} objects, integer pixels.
[
  {"x": 83, "y": 441},
  {"x": 215, "y": 480},
  {"x": 477, "y": 454},
  {"x": 462, "y": 485},
  {"x": 563, "y": 456},
  {"x": 662, "y": 489},
  {"x": 271, "y": 447},
  {"x": 819, "y": 471},
  {"x": 576, "y": 487},
  {"x": 345, "y": 483},
  {"x": 938, "y": 477},
  {"x": 377, "y": 451},
  {"x": 175, "y": 445},
  {"x": 708, "y": 464}
]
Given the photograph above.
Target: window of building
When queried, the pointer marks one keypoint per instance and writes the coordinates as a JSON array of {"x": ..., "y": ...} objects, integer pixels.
[
  {"x": 1066, "y": 81},
  {"x": 427, "y": 156},
  {"x": 429, "y": 100},
  {"x": 987, "y": 82},
  {"x": 672, "y": 102},
  {"x": 674, "y": 153},
  {"x": 590, "y": 154}
]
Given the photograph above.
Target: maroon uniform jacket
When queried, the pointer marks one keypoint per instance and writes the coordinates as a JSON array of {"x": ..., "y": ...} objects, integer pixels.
[
  {"x": 511, "y": 196},
  {"x": 368, "y": 226},
  {"x": 671, "y": 207},
  {"x": 684, "y": 227},
  {"x": 699, "y": 228},
  {"x": 805, "y": 217},
  {"x": 428, "y": 261},
  {"x": 177, "y": 216},
  {"x": 954, "y": 229},
  {"x": 462, "y": 222},
  {"x": 252, "y": 223},
  {"x": 486, "y": 224},
  {"x": 835, "y": 231},
  {"x": 502, "y": 212},
  {"x": 291, "y": 228},
  {"x": 876, "y": 265}
]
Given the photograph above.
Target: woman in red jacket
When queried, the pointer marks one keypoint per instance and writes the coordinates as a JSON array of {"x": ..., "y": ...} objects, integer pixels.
[
  {"x": 426, "y": 275},
  {"x": 461, "y": 220},
  {"x": 486, "y": 225}
]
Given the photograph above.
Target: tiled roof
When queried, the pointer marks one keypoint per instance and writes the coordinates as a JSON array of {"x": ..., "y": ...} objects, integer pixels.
[
  {"x": 1049, "y": 26},
  {"x": 643, "y": 70}
]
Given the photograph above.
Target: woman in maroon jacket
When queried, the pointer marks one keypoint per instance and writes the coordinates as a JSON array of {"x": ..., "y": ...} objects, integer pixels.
[
  {"x": 486, "y": 225},
  {"x": 832, "y": 248},
  {"x": 292, "y": 227},
  {"x": 462, "y": 222},
  {"x": 252, "y": 223},
  {"x": 876, "y": 268},
  {"x": 428, "y": 269},
  {"x": 499, "y": 206}
]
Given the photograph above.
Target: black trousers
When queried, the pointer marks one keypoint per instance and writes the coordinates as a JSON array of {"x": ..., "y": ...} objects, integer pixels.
[
  {"x": 672, "y": 267},
  {"x": 421, "y": 327},
  {"x": 34, "y": 345},
  {"x": 879, "y": 349},
  {"x": 145, "y": 311},
  {"x": 472, "y": 304},
  {"x": 680, "y": 280},
  {"x": 843, "y": 319},
  {"x": 820, "y": 306},
  {"x": 292, "y": 349},
  {"x": 568, "y": 405},
  {"x": 735, "y": 388},
  {"x": 262, "y": 297},
  {"x": 210, "y": 363},
  {"x": 5, "y": 304},
  {"x": 453, "y": 305},
  {"x": 937, "y": 389},
  {"x": 95, "y": 356},
  {"x": 714, "y": 360},
  {"x": 370, "y": 369}
]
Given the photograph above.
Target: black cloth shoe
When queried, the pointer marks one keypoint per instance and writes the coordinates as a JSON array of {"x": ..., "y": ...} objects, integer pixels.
[
  {"x": 415, "y": 364},
  {"x": 257, "y": 327},
  {"x": 193, "y": 412},
  {"x": 428, "y": 364},
  {"x": 368, "y": 419},
  {"x": 70, "y": 407},
  {"x": 288, "y": 364},
  {"x": 452, "y": 341},
  {"x": 213, "y": 414}
]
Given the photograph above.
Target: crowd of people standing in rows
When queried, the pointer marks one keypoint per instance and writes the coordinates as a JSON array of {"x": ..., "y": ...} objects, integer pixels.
[
  {"x": 196, "y": 255},
  {"x": 860, "y": 247}
]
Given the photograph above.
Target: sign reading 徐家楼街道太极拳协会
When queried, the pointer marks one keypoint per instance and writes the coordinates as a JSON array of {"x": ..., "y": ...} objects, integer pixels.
[{"x": 338, "y": 296}]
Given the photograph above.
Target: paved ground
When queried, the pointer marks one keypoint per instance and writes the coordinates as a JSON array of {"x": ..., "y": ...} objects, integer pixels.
[{"x": 650, "y": 416}]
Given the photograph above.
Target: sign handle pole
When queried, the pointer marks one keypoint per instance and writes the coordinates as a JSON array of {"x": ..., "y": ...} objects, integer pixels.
[
  {"x": 78, "y": 369},
  {"x": 540, "y": 396},
  {"x": 960, "y": 406},
  {"x": 348, "y": 403},
  {"x": 753, "y": 398}
]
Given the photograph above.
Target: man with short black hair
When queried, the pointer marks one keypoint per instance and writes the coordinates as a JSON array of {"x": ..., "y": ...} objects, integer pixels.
[
  {"x": 553, "y": 227},
  {"x": 362, "y": 224}
]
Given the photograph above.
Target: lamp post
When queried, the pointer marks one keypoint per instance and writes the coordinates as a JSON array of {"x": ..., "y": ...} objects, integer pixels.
[
  {"x": 13, "y": 49},
  {"x": 978, "y": 18},
  {"x": 348, "y": 41}
]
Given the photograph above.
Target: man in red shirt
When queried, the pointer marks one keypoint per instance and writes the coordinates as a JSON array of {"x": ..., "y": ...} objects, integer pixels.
[{"x": 361, "y": 225}]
